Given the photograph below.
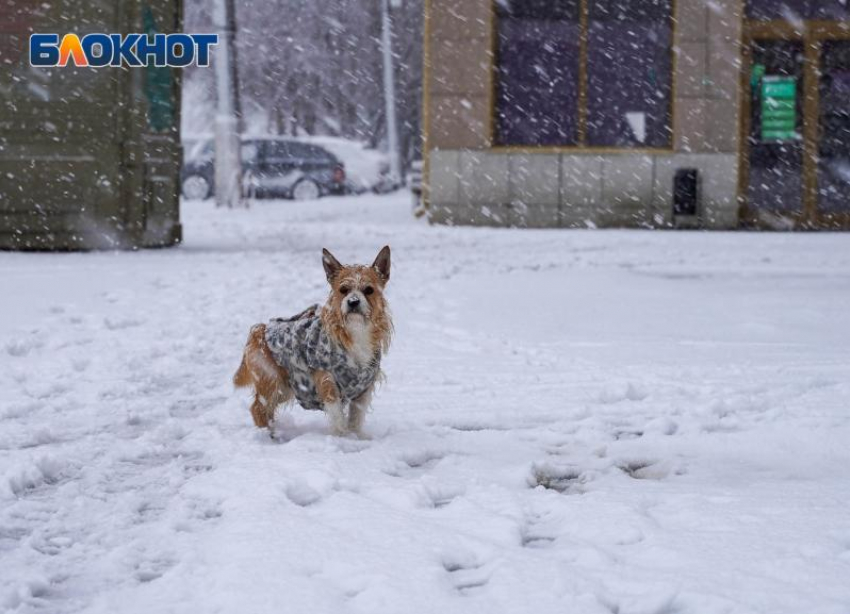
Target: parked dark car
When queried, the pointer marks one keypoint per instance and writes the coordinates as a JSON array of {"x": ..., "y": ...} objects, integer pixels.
[{"x": 272, "y": 168}]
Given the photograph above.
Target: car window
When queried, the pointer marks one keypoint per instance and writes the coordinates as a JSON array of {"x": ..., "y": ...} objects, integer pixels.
[
  {"x": 277, "y": 150},
  {"x": 300, "y": 150},
  {"x": 320, "y": 153},
  {"x": 249, "y": 151},
  {"x": 293, "y": 150},
  {"x": 314, "y": 153}
]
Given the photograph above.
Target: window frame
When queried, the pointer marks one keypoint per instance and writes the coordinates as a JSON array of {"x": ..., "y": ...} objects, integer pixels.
[
  {"x": 582, "y": 147},
  {"x": 813, "y": 34}
]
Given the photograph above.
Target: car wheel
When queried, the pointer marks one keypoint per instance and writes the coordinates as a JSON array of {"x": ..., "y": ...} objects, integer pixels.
[
  {"x": 306, "y": 189},
  {"x": 196, "y": 187}
]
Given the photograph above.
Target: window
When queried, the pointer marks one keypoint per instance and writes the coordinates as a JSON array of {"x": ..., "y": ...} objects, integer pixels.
[
  {"x": 538, "y": 72},
  {"x": 629, "y": 68},
  {"x": 585, "y": 73},
  {"x": 795, "y": 10}
]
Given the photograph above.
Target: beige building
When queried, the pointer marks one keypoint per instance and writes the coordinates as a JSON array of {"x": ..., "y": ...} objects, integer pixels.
[{"x": 647, "y": 113}]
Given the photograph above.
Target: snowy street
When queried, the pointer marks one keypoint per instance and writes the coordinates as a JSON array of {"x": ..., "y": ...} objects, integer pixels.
[{"x": 607, "y": 422}]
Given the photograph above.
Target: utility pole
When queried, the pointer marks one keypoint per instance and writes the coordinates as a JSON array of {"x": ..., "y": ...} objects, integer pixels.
[
  {"x": 228, "y": 148},
  {"x": 389, "y": 89}
]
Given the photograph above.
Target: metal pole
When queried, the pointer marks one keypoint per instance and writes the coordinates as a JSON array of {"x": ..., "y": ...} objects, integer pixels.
[
  {"x": 389, "y": 93},
  {"x": 228, "y": 151}
]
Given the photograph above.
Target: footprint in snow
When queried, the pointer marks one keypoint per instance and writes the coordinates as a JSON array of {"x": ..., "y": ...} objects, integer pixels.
[
  {"x": 194, "y": 467},
  {"x": 439, "y": 497},
  {"x": 122, "y": 323},
  {"x": 561, "y": 479},
  {"x": 627, "y": 434},
  {"x": 646, "y": 469},
  {"x": 147, "y": 511},
  {"x": 35, "y": 591},
  {"x": 80, "y": 363},
  {"x": 196, "y": 512},
  {"x": 474, "y": 427},
  {"x": 150, "y": 570},
  {"x": 416, "y": 464},
  {"x": 558, "y": 448},
  {"x": 533, "y": 532},
  {"x": 466, "y": 572},
  {"x": 47, "y": 390},
  {"x": 28, "y": 478},
  {"x": 50, "y": 543},
  {"x": 23, "y": 346}
]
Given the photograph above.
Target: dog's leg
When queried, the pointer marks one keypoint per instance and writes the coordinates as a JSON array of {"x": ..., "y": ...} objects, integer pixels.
[
  {"x": 268, "y": 379},
  {"x": 283, "y": 394},
  {"x": 260, "y": 411},
  {"x": 336, "y": 415},
  {"x": 331, "y": 400},
  {"x": 357, "y": 411}
]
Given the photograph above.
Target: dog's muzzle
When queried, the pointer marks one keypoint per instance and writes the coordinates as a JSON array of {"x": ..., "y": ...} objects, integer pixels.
[{"x": 356, "y": 303}]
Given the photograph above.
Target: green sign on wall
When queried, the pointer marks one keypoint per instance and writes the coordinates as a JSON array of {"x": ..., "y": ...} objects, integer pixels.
[
  {"x": 778, "y": 108},
  {"x": 158, "y": 86}
]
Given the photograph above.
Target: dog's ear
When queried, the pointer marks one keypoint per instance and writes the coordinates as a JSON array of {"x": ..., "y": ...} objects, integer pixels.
[
  {"x": 382, "y": 263},
  {"x": 331, "y": 264}
]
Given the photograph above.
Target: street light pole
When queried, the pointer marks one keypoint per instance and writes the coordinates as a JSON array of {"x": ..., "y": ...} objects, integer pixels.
[
  {"x": 389, "y": 90},
  {"x": 228, "y": 151}
]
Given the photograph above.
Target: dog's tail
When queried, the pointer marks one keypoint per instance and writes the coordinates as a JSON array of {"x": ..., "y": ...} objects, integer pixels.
[{"x": 242, "y": 378}]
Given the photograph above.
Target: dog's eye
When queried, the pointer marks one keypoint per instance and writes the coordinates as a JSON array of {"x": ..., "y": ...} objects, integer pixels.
[
  {"x": 343, "y": 290},
  {"x": 369, "y": 290}
]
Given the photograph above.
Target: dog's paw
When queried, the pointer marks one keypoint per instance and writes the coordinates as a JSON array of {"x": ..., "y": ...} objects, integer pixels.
[
  {"x": 359, "y": 434},
  {"x": 337, "y": 430},
  {"x": 336, "y": 419}
]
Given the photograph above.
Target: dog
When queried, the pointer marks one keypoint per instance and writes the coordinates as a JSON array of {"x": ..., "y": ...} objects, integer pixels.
[{"x": 326, "y": 358}]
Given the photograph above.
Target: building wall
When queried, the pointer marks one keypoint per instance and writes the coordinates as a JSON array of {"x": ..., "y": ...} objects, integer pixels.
[
  {"x": 470, "y": 182},
  {"x": 88, "y": 159}
]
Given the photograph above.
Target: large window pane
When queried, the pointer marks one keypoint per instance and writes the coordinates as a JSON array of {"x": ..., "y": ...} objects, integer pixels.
[
  {"x": 795, "y": 10},
  {"x": 537, "y": 80},
  {"x": 834, "y": 146},
  {"x": 629, "y": 69}
]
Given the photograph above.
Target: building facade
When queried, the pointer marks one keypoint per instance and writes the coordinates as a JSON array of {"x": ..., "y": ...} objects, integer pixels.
[
  {"x": 640, "y": 113},
  {"x": 89, "y": 157}
]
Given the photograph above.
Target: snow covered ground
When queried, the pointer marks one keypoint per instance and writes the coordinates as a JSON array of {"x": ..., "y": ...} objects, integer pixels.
[{"x": 573, "y": 421}]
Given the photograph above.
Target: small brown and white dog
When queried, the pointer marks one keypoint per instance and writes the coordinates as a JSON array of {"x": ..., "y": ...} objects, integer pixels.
[{"x": 328, "y": 358}]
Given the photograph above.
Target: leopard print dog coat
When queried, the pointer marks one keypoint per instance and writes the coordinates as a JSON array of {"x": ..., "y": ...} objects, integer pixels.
[{"x": 301, "y": 346}]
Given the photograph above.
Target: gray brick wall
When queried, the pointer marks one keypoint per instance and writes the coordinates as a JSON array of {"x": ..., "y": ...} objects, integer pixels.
[{"x": 571, "y": 190}]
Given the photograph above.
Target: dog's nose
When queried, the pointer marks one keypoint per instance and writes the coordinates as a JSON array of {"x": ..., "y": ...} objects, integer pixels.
[{"x": 353, "y": 302}]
